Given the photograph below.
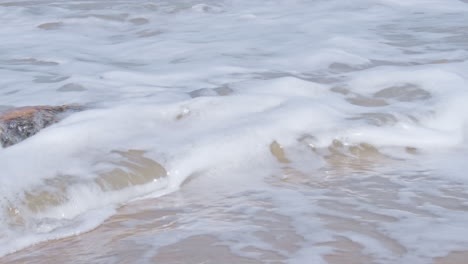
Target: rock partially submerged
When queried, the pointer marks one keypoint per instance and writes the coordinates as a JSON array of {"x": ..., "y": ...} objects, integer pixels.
[{"x": 20, "y": 123}]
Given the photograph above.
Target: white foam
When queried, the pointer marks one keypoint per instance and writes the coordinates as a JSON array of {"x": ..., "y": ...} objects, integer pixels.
[{"x": 291, "y": 70}]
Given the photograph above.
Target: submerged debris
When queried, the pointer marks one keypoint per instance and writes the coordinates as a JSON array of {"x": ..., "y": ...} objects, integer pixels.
[{"x": 20, "y": 123}]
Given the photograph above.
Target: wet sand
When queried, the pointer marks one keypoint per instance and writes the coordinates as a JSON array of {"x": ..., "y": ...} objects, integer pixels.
[{"x": 190, "y": 226}]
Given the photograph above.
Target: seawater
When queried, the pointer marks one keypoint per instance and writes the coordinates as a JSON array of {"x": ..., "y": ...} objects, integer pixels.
[{"x": 235, "y": 131}]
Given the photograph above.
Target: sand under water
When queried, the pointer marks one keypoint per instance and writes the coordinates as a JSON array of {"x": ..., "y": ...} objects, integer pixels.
[{"x": 237, "y": 131}]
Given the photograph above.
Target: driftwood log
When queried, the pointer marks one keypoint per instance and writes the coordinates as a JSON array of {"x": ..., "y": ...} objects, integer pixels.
[{"x": 20, "y": 123}]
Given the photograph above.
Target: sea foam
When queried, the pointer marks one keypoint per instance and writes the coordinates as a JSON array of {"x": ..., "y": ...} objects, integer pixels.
[{"x": 225, "y": 96}]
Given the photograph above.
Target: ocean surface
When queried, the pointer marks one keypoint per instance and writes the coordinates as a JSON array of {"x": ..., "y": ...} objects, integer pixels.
[{"x": 237, "y": 131}]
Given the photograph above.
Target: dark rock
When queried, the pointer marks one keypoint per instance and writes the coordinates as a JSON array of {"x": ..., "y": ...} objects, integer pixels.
[{"x": 20, "y": 123}]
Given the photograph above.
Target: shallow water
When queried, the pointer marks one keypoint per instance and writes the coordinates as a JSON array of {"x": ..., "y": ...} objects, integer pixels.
[{"x": 237, "y": 131}]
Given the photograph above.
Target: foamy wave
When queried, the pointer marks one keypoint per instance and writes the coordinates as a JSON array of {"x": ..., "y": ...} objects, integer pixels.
[{"x": 174, "y": 89}]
